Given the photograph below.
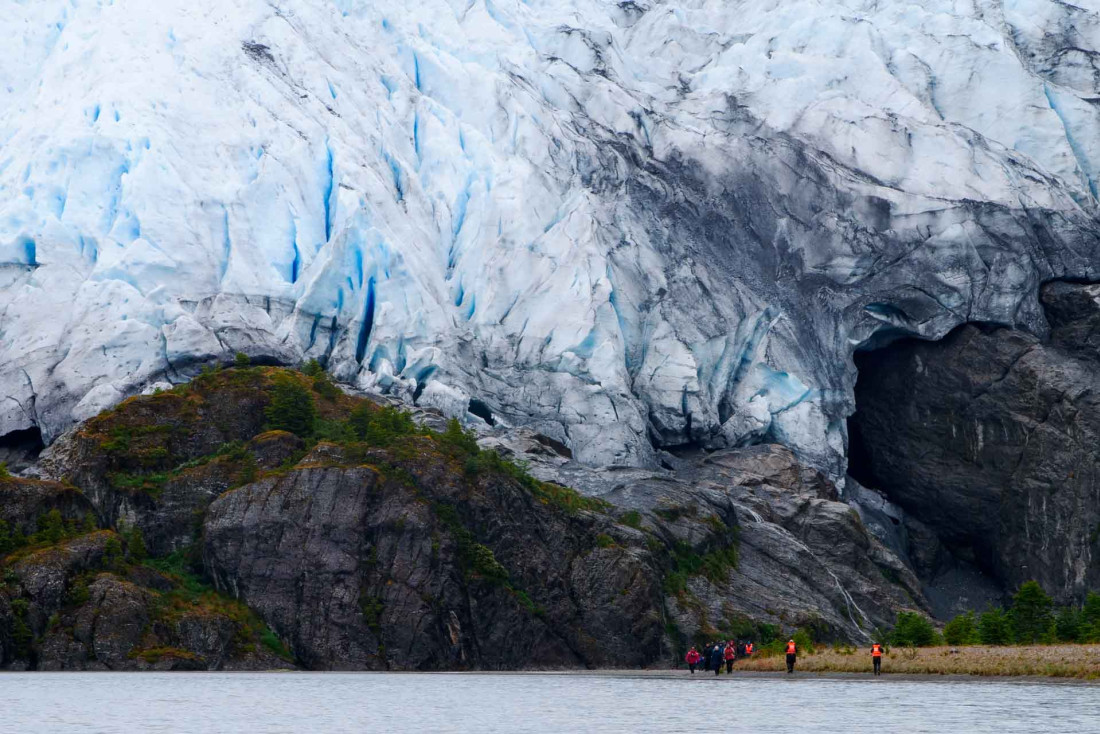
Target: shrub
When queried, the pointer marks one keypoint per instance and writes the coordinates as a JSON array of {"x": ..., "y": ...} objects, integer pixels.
[
  {"x": 1067, "y": 625},
  {"x": 51, "y": 527},
  {"x": 632, "y": 519},
  {"x": 483, "y": 563},
  {"x": 241, "y": 360},
  {"x": 768, "y": 632},
  {"x": 913, "y": 630},
  {"x": 112, "y": 554},
  {"x": 21, "y": 631},
  {"x": 6, "y": 544},
  {"x": 272, "y": 642},
  {"x": 291, "y": 408},
  {"x": 1031, "y": 613},
  {"x": 993, "y": 627},
  {"x": 457, "y": 438},
  {"x": 89, "y": 525},
  {"x": 805, "y": 641},
  {"x": 962, "y": 630},
  {"x": 372, "y": 609},
  {"x": 4, "y": 473},
  {"x": 1090, "y": 618},
  {"x": 135, "y": 545},
  {"x": 312, "y": 368},
  {"x": 324, "y": 387},
  {"x": 380, "y": 426}
]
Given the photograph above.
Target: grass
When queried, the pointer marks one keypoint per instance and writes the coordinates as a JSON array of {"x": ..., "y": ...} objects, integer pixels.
[
  {"x": 194, "y": 597},
  {"x": 1057, "y": 661},
  {"x": 156, "y": 654},
  {"x": 714, "y": 565}
]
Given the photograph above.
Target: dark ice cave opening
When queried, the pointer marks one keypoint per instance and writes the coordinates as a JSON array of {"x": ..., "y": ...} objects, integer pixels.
[
  {"x": 481, "y": 410},
  {"x": 19, "y": 449},
  {"x": 861, "y": 465},
  {"x": 885, "y": 434}
]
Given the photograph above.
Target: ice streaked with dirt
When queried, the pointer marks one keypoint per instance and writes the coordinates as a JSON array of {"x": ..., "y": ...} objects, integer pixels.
[
  {"x": 265, "y": 703},
  {"x": 627, "y": 225}
]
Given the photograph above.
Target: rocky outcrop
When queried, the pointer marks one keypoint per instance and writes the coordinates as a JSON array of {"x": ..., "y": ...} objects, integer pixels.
[
  {"x": 411, "y": 566},
  {"x": 23, "y": 502},
  {"x": 988, "y": 438},
  {"x": 156, "y": 463},
  {"x": 79, "y": 605},
  {"x": 390, "y": 545},
  {"x": 804, "y": 558}
]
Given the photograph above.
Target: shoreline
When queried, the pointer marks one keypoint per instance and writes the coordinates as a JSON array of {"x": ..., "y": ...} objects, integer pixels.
[{"x": 669, "y": 674}]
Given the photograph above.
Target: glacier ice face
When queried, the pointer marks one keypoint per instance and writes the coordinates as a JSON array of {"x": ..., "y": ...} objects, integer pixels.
[{"x": 627, "y": 225}]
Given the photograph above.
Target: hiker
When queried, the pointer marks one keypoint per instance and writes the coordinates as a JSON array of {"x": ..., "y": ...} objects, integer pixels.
[
  {"x": 876, "y": 657},
  {"x": 716, "y": 658},
  {"x": 730, "y": 654},
  {"x": 748, "y": 649},
  {"x": 792, "y": 653},
  {"x": 692, "y": 659}
]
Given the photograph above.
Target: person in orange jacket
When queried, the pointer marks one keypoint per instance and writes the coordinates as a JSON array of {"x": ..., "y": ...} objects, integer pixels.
[
  {"x": 693, "y": 657},
  {"x": 792, "y": 654},
  {"x": 876, "y": 657},
  {"x": 748, "y": 649},
  {"x": 730, "y": 653}
]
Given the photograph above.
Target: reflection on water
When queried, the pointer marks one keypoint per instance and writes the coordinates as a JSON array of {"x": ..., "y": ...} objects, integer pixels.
[{"x": 364, "y": 702}]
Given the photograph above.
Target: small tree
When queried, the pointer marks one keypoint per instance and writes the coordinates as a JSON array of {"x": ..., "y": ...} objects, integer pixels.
[
  {"x": 4, "y": 473},
  {"x": 1031, "y": 613},
  {"x": 1090, "y": 618},
  {"x": 1067, "y": 625},
  {"x": 51, "y": 527},
  {"x": 112, "y": 553},
  {"x": 135, "y": 545},
  {"x": 313, "y": 368},
  {"x": 6, "y": 544},
  {"x": 89, "y": 525},
  {"x": 993, "y": 627},
  {"x": 457, "y": 437},
  {"x": 804, "y": 640},
  {"x": 962, "y": 630},
  {"x": 291, "y": 408},
  {"x": 913, "y": 630},
  {"x": 241, "y": 360},
  {"x": 1090, "y": 611}
]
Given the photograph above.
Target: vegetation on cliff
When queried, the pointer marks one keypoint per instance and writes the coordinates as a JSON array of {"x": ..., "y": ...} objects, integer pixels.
[{"x": 150, "y": 468}]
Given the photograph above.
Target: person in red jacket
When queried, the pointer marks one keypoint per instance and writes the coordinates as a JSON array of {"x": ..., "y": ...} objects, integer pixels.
[
  {"x": 792, "y": 654},
  {"x": 693, "y": 657},
  {"x": 730, "y": 654},
  {"x": 876, "y": 657}
]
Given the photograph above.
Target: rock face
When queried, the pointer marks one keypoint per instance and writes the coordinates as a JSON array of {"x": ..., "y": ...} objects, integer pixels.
[
  {"x": 630, "y": 226},
  {"x": 412, "y": 568},
  {"x": 70, "y": 607},
  {"x": 804, "y": 558},
  {"x": 22, "y": 502},
  {"x": 988, "y": 438},
  {"x": 385, "y": 545}
]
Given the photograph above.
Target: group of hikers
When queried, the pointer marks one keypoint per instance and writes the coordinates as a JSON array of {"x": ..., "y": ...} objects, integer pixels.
[{"x": 713, "y": 656}]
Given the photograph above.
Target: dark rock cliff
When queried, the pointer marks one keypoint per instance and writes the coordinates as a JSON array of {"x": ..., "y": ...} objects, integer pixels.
[
  {"x": 376, "y": 543},
  {"x": 988, "y": 440}
]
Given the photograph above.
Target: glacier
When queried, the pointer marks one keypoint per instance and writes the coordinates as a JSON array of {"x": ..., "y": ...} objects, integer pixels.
[{"x": 629, "y": 226}]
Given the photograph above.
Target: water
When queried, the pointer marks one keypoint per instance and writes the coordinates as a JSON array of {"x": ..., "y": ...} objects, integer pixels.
[{"x": 363, "y": 702}]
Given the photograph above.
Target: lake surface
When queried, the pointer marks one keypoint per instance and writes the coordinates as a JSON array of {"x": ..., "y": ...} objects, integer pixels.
[{"x": 368, "y": 702}]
